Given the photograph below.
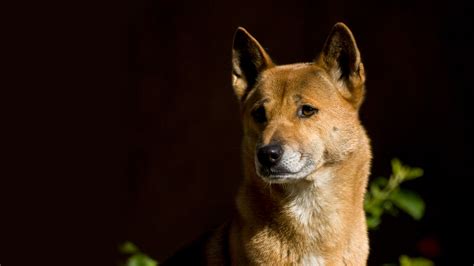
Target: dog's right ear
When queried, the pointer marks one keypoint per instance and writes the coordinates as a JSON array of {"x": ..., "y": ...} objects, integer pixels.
[{"x": 249, "y": 59}]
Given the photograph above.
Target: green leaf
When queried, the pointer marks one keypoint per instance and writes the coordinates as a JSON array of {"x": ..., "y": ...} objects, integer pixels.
[
  {"x": 388, "y": 206},
  {"x": 409, "y": 202},
  {"x": 380, "y": 181},
  {"x": 396, "y": 166},
  {"x": 128, "y": 248},
  {"x": 390, "y": 209},
  {"x": 141, "y": 260},
  {"x": 413, "y": 173},
  {"x": 373, "y": 222},
  {"x": 407, "y": 261},
  {"x": 374, "y": 210},
  {"x": 375, "y": 190}
]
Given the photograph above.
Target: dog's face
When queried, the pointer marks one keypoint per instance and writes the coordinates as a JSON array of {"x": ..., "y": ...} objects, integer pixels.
[{"x": 298, "y": 117}]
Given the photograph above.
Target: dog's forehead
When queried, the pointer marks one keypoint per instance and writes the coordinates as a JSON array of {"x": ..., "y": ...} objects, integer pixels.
[{"x": 301, "y": 79}]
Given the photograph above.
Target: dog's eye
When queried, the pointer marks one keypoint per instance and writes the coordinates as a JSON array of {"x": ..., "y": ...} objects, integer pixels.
[
  {"x": 259, "y": 115},
  {"x": 306, "y": 111}
]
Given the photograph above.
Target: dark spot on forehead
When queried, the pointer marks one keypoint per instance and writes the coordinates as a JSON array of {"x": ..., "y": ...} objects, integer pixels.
[
  {"x": 297, "y": 98},
  {"x": 335, "y": 128}
]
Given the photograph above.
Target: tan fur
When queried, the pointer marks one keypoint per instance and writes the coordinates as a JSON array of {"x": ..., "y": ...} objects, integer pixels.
[{"x": 314, "y": 220}]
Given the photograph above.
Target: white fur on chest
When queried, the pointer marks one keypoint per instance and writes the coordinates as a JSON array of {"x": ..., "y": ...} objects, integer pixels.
[
  {"x": 312, "y": 203},
  {"x": 303, "y": 210},
  {"x": 312, "y": 260}
]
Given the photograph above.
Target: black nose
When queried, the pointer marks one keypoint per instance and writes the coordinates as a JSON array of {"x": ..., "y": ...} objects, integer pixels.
[{"x": 270, "y": 155}]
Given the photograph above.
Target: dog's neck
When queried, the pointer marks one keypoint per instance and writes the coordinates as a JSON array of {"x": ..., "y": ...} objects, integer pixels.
[
  {"x": 310, "y": 215},
  {"x": 306, "y": 207}
]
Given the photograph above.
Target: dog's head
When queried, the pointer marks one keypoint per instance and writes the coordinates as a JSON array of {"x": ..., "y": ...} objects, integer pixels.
[{"x": 298, "y": 117}]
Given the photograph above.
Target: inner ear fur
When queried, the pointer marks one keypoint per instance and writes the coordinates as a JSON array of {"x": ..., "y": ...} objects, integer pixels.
[
  {"x": 341, "y": 59},
  {"x": 249, "y": 59}
]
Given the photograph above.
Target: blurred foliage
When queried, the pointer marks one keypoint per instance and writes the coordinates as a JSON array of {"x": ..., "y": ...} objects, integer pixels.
[
  {"x": 384, "y": 196},
  {"x": 407, "y": 261},
  {"x": 136, "y": 257}
]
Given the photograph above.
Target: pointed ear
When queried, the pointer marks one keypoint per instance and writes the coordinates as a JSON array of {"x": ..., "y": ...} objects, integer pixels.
[
  {"x": 341, "y": 59},
  {"x": 249, "y": 59}
]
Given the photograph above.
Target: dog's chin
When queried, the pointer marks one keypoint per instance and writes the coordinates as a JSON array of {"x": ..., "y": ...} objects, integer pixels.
[{"x": 282, "y": 176}]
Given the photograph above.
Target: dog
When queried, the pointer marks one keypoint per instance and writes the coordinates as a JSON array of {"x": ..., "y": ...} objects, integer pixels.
[{"x": 306, "y": 160}]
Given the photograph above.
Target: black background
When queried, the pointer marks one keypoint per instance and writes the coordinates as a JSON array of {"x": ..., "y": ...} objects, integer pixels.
[{"x": 121, "y": 123}]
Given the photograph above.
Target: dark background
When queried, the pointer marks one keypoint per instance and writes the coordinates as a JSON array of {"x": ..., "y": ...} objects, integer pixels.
[{"x": 121, "y": 123}]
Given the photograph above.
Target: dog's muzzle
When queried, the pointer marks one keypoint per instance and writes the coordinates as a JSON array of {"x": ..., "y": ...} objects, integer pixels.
[{"x": 277, "y": 163}]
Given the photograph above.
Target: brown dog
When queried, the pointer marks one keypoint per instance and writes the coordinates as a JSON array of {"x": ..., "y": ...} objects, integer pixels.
[{"x": 306, "y": 161}]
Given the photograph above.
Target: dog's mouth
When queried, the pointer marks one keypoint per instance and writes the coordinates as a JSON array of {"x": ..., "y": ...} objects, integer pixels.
[{"x": 280, "y": 174}]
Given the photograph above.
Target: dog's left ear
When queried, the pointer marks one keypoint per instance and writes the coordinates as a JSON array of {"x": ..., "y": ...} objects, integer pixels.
[{"x": 341, "y": 59}]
